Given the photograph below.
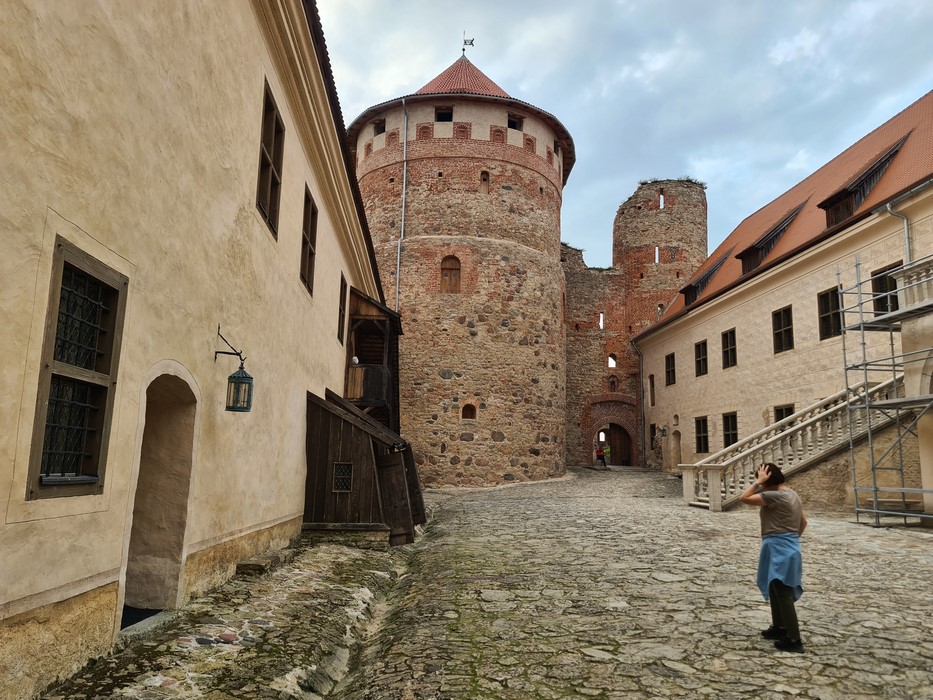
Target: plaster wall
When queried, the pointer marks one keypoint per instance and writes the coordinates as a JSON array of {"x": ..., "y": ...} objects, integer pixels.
[
  {"x": 133, "y": 132},
  {"x": 762, "y": 379}
]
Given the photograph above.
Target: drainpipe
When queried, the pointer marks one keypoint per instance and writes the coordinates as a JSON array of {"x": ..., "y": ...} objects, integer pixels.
[
  {"x": 907, "y": 256},
  {"x": 398, "y": 254}
]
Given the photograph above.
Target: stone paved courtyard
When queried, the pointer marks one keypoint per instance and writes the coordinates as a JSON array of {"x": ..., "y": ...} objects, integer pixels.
[{"x": 600, "y": 585}]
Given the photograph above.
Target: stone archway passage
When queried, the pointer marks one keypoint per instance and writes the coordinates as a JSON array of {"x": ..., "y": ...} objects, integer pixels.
[{"x": 154, "y": 563}]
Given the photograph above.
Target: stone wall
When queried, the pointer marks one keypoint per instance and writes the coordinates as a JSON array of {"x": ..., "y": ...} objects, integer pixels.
[
  {"x": 497, "y": 345},
  {"x": 628, "y": 296}
]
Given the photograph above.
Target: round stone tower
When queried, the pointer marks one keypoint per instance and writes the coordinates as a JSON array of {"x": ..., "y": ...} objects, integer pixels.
[
  {"x": 462, "y": 186},
  {"x": 659, "y": 234}
]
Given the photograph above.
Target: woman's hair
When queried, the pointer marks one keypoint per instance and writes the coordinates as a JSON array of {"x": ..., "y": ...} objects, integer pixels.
[{"x": 776, "y": 476}]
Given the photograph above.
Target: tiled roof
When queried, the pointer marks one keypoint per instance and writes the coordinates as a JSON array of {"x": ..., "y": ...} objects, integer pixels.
[
  {"x": 912, "y": 165},
  {"x": 462, "y": 78}
]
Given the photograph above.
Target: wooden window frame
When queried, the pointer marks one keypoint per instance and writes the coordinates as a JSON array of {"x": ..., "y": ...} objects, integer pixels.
[
  {"x": 783, "y": 411},
  {"x": 782, "y": 329},
  {"x": 342, "y": 308},
  {"x": 829, "y": 313},
  {"x": 701, "y": 434},
  {"x": 701, "y": 358},
  {"x": 515, "y": 122},
  {"x": 102, "y": 379},
  {"x": 450, "y": 275},
  {"x": 884, "y": 290},
  {"x": 443, "y": 114},
  {"x": 730, "y": 429},
  {"x": 308, "y": 242},
  {"x": 729, "y": 349},
  {"x": 271, "y": 152},
  {"x": 670, "y": 369}
]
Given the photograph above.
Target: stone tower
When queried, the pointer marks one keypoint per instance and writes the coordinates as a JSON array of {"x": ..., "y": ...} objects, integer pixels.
[
  {"x": 462, "y": 186},
  {"x": 658, "y": 241}
]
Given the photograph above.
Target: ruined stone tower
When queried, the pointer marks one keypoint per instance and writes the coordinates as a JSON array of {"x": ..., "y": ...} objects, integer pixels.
[
  {"x": 462, "y": 186},
  {"x": 658, "y": 241}
]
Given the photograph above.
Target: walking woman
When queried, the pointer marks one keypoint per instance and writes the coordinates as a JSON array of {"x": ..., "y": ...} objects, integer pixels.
[{"x": 780, "y": 565}]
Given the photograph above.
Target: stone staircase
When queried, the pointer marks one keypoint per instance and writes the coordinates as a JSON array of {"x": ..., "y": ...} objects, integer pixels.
[{"x": 795, "y": 443}]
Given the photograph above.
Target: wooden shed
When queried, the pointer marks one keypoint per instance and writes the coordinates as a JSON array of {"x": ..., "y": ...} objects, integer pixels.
[{"x": 359, "y": 472}]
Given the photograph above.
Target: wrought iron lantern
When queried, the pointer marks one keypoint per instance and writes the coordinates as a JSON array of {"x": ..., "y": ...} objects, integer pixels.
[{"x": 239, "y": 384}]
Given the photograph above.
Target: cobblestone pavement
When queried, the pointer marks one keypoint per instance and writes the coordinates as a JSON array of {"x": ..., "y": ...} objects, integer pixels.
[{"x": 601, "y": 585}]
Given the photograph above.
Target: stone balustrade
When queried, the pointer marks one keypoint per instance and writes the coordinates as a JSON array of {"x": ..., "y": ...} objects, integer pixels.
[{"x": 914, "y": 283}]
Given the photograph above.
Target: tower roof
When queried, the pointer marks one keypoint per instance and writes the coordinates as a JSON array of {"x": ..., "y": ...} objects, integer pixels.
[{"x": 462, "y": 78}]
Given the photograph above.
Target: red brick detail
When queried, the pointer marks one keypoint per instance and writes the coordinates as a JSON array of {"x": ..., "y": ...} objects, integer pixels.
[
  {"x": 550, "y": 157},
  {"x": 425, "y": 131},
  {"x": 392, "y": 138},
  {"x": 600, "y": 412},
  {"x": 463, "y": 130},
  {"x": 530, "y": 143},
  {"x": 368, "y": 149},
  {"x": 497, "y": 134}
]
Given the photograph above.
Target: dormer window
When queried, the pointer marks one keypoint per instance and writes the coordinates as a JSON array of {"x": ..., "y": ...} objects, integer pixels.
[
  {"x": 443, "y": 114},
  {"x": 692, "y": 291},
  {"x": 516, "y": 122},
  {"x": 379, "y": 127},
  {"x": 843, "y": 204},
  {"x": 755, "y": 254}
]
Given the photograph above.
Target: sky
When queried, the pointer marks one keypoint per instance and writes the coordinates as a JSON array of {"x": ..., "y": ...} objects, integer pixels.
[{"x": 747, "y": 96}]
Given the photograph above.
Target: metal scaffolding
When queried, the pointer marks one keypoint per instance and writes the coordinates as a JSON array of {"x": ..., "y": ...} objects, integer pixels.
[{"x": 873, "y": 306}]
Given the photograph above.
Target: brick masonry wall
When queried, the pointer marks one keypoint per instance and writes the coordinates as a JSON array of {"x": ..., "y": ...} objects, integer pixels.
[
  {"x": 628, "y": 295},
  {"x": 498, "y": 345}
]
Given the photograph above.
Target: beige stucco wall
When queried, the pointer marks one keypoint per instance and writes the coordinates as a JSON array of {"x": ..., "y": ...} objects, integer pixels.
[
  {"x": 132, "y": 131},
  {"x": 762, "y": 380}
]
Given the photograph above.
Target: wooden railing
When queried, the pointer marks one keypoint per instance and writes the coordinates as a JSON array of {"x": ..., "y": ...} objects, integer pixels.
[{"x": 798, "y": 441}]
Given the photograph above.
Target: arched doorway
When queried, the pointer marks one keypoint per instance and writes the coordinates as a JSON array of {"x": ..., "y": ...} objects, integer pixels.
[
  {"x": 619, "y": 442},
  {"x": 160, "y": 512}
]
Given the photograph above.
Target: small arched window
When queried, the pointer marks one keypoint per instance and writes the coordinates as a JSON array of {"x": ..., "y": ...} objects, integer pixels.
[
  {"x": 612, "y": 360},
  {"x": 613, "y": 384},
  {"x": 450, "y": 275},
  {"x": 484, "y": 182},
  {"x": 469, "y": 412}
]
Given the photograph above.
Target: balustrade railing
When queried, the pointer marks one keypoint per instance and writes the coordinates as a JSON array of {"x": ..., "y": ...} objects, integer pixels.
[{"x": 792, "y": 443}]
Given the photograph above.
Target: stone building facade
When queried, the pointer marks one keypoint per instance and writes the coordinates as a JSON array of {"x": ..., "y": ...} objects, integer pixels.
[
  {"x": 151, "y": 191},
  {"x": 658, "y": 241},
  {"x": 462, "y": 186}
]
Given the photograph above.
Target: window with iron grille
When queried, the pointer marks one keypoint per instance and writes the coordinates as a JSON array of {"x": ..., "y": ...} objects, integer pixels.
[
  {"x": 701, "y": 432},
  {"x": 829, "y": 313},
  {"x": 450, "y": 275},
  {"x": 308, "y": 241},
  {"x": 729, "y": 355},
  {"x": 271, "y": 149},
  {"x": 342, "y": 310},
  {"x": 884, "y": 290},
  {"x": 730, "y": 429},
  {"x": 782, "y": 412},
  {"x": 343, "y": 477},
  {"x": 75, "y": 397},
  {"x": 670, "y": 373},
  {"x": 782, "y": 326},
  {"x": 700, "y": 358}
]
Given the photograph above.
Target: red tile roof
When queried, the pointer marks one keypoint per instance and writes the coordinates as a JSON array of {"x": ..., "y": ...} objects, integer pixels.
[
  {"x": 912, "y": 165},
  {"x": 462, "y": 78}
]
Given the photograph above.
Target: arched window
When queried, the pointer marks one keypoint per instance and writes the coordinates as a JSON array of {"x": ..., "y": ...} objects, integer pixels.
[
  {"x": 613, "y": 384},
  {"x": 450, "y": 275},
  {"x": 612, "y": 360},
  {"x": 469, "y": 412}
]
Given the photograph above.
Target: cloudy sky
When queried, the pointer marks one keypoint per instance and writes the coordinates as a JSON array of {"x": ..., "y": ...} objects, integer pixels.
[{"x": 749, "y": 96}]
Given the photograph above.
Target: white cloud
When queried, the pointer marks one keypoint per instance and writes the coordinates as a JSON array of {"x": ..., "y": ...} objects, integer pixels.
[{"x": 804, "y": 45}]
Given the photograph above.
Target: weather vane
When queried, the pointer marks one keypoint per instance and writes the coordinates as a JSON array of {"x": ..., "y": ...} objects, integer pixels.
[{"x": 466, "y": 42}]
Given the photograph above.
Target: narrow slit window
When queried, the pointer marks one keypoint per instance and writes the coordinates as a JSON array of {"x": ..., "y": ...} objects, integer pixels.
[
  {"x": 661, "y": 199},
  {"x": 602, "y": 320},
  {"x": 484, "y": 182}
]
